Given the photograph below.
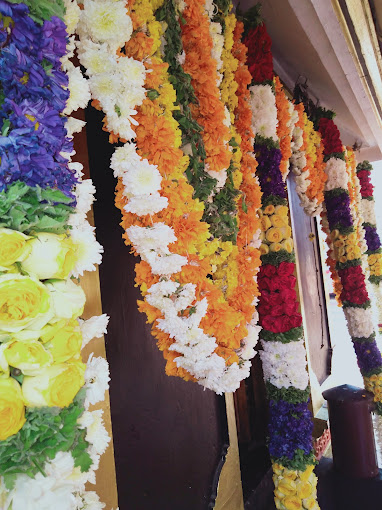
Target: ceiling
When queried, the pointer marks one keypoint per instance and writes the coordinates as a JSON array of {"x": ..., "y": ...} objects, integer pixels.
[{"x": 333, "y": 45}]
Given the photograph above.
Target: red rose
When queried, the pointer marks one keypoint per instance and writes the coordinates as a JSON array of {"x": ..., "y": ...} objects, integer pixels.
[
  {"x": 288, "y": 294},
  {"x": 267, "y": 271},
  {"x": 277, "y": 324},
  {"x": 286, "y": 282},
  {"x": 286, "y": 269},
  {"x": 291, "y": 307},
  {"x": 331, "y": 136},
  {"x": 259, "y": 57},
  {"x": 295, "y": 321}
]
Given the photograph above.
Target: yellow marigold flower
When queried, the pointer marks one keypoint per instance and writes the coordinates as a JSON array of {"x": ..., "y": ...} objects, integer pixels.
[
  {"x": 270, "y": 209},
  {"x": 275, "y": 247}
]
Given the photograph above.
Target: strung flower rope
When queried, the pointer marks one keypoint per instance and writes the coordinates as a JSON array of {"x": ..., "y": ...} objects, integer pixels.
[
  {"x": 374, "y": 250},
  {"x": 283, "y": 355},
  {"x": 50, "y": 441},
  {"x": 284, "y": 118},
  {"x": 354, "y": 295}
]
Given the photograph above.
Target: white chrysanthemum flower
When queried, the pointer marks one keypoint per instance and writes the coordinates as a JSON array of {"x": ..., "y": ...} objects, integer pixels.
[
  {"x": 221, "y": 177},
  {"x": 249, "y": 342},
  {"x": 124, "y": 158},
  {"x": 84, "y": 192},
  {"x": 368, "y": 211},
  {"x": 167, "y": 295},
  {"x": 44, "y": 492},
  {"x": 284, "y": 365},
  {"x": 96, "y": 434},
  {"x": 96, "y": 380},
  {"x": 72, "y": 16},
  {"x": 337, "y": 175},
  {"x": 146, "y": 204},
  {"x": 133, "y": 71},
  {"x": 88, "y": 500},
  {"x": 95, "y": 327},
  {"x": 96, "y": 58},
  {"x": 106, "y": 88},
  {"x": 107, "y": 21},
  {"x": 264, "y": 112},
  {"x": 121, "y": 122},
  {"x": 164, "y": 264},
  {"x": 70, "y": 49},
  {"x": 360, "y": 321},
  {"x": 88, "y": 249},
  {"x": 74, "y": 126},
  {"x": 157, "y": 237},
  {"x": 142, "y": 179},
  {"x": 79, "y": 91},
  {"x": 217, "y": 43}
]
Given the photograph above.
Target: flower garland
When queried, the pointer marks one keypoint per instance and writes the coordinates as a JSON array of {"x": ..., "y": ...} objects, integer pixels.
[
  {"x": 374, "y": 250},
  {"x": 202, "y": 336},
  {"x": 283, "y": 355},
  {"x": 284, "y": 119},
  {"x": 354, "y": 295},
  {"x": 50, "y": 442}
]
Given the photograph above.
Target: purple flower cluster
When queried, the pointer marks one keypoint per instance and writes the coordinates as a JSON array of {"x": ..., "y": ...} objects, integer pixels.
[
  {"x": 368, "y": 356},
  {"x": 372, "y": 238},
  {"x": 268, "y": 170},
  {"x": 33, "y": 133},
  {"x": 338, "y": 210},
  {"x": 290, "y": 428}
]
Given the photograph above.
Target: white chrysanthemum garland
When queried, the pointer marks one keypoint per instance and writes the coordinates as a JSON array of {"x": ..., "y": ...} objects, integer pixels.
[
  {"x": 142, "y": 186},
  {"x": 63, "y": 485}
]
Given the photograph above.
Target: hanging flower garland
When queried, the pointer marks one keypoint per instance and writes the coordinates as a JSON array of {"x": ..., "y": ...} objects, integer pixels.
[
  {"x": 284, "y": 118},
  {"x": 374, "y": 250},
  {"x": 283, "y": 355},
  {"x": 202, "y": 336},
  {"x": 50, "y": 441},
  {"x": 354, "y": 295}
]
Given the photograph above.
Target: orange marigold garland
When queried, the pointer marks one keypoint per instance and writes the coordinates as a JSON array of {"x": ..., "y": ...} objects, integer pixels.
[{"x": 283, "y": 131}]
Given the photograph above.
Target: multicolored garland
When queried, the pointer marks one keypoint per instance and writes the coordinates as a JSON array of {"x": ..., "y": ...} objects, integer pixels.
[
  {"x": 182, "y": 183},
  {"x": 283, "y": 355},
  {"x": 50, "y": 441}
]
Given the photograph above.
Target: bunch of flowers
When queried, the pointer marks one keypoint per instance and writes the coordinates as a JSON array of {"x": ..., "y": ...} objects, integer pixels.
[
  {"x": 341, "y": 212},
  {"x": 50, "y": 440},
  {"x": 283, "y": 355},
  {"x": 308, "y": 164},
  {"x": 178, "y": 181}
]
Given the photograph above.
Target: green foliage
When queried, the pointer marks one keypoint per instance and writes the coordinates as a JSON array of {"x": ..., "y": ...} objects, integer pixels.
[
  {"x": 338, "y": 155},
  {"x": 376, "y": 280},
  {"x": 378, "y": 408},
  {"x": 299, "y": 462},
  {"x": 251, "y": 19},
  {"x": 275, "y": 258},
  {"x": 375, "y": 371},
  {"x": 291, "y": 394},
  {"x": 348, "y": 263},
  {"x": 365, "y": 165},
  {"x": 293, "y": 335},
  {"x": 47, "y": 431},
  {"x": 269, "y": 142},
  {"x": 318, "y": 113},
  {"x": 41, "y": 10},
  {"x": 273, "y": 200},
  {"x": 36, "y": 209},
  {"x": 349, "y": 304},
  {"x": 361, "y": 339}
]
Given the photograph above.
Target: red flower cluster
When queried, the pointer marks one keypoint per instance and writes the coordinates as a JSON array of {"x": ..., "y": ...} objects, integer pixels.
[
  {"x": 278, "y": 308},
  {"x": 353, "y": 283},
  {"x": 259, "y": 59},
  {"x": 366, "y": 186},
  {"x": 331, "y": 136}
]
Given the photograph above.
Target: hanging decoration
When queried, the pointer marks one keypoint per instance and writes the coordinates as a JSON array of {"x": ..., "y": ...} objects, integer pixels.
[
  {"x": 283, "y": 355},
  {"x": 50, "y": 438},
  {"x": 184, "y": 183}
]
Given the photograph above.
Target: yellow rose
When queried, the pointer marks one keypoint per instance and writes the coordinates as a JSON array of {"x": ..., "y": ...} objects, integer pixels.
[
  {"x": 304, "y": 475},
  {"x": 341, "y": 251},
  {"x": 357, "y": 252},
  {"x": 287, "y": 487},
  {"x": 335, "y": 234},
  {"x": 264, "y": 249},
  {"x": 304, "y": 490},
  {"x": 310, "y": 504},
  {"x": 24, "y": 303},
  {"x": 286, "y": 232},
  {"x": 56, "y": 385},
  {"x": 265, "y": 223},
  {"x": 14, "y": 247},
  {"x": 68, "y": 299},
  {"x": 279, "y": 221},
  {"x": 29, "y": 356},
  {"x": 52, "y": 256},
  {"x": 350, "y": 254},
  {"x": 287, "y": 245},
  {"x": 339, "y": 243},
  {"x": 292, "y": 503},
  {"x": 343, "y": 259},
  {"x": 63, "y": 340},
  {"x": 282, "y": 210},
  {"x": 275, "y": 247},
  {"x": 270, "y": 209},
  {"x": 12, "y": 410},
  {"x": 274, "y": 235}
]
